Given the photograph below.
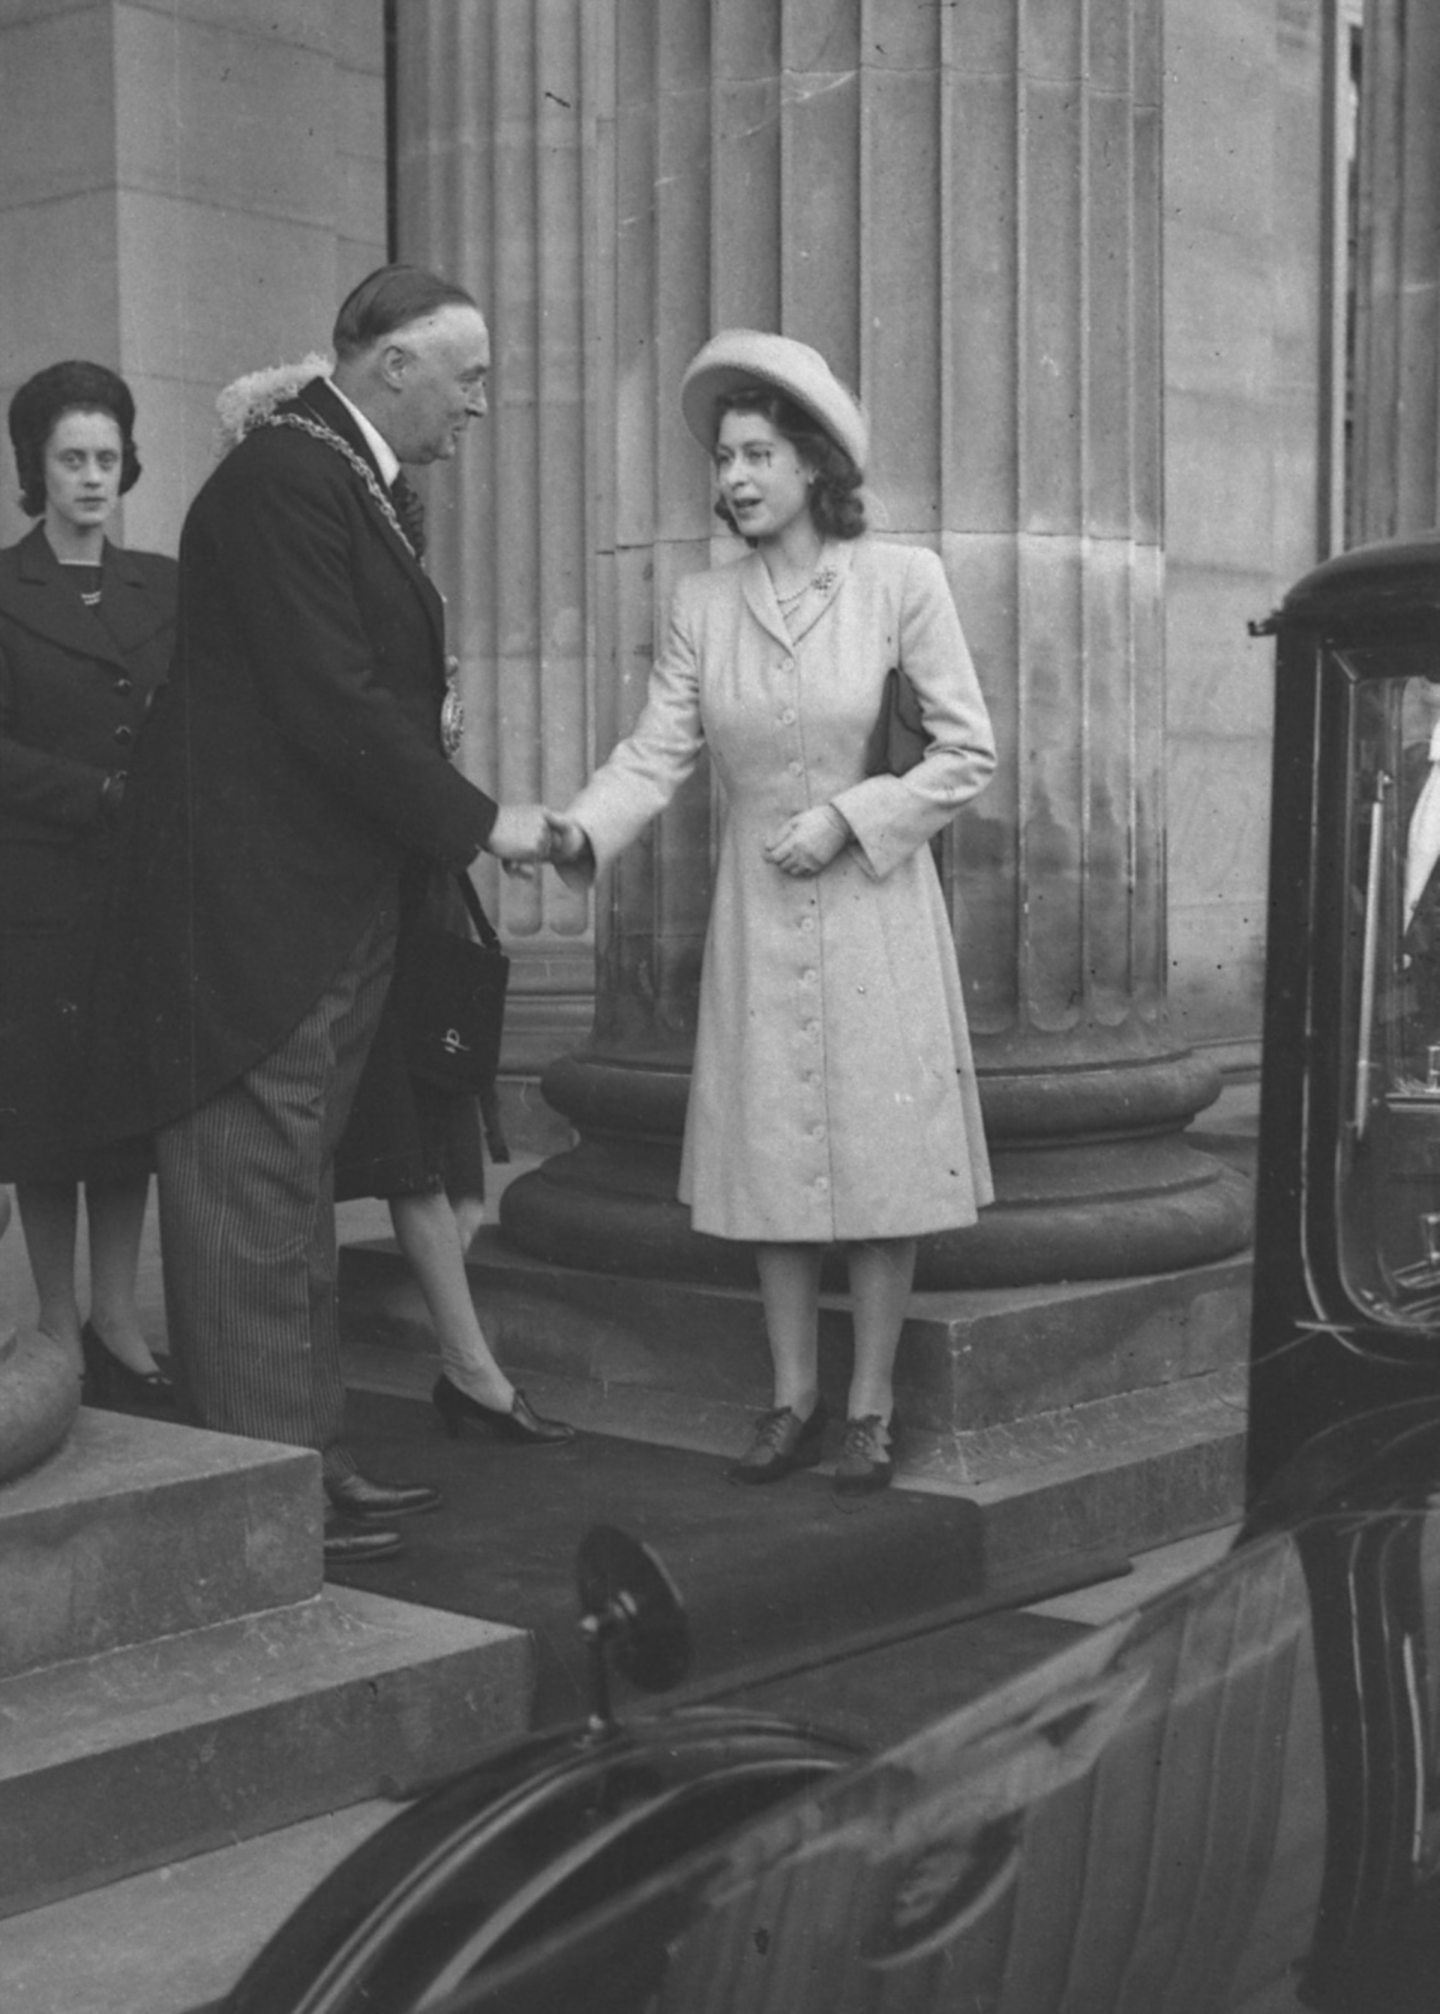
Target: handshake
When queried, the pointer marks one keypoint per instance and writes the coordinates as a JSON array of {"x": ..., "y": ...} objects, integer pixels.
[{"x": 526, "y": 833}]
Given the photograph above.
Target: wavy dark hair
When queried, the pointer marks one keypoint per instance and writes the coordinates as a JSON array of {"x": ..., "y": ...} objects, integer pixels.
[
  {"x": 44, "y": 400},
  {"x": 836, "y": 504},
  {"x": 391, "y": 298}
]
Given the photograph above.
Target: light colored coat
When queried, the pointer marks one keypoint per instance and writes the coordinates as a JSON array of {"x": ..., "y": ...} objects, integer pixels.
[{"x": 833, "y": 1092}]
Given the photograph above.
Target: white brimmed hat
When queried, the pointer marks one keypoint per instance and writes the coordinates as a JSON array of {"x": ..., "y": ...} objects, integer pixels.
[{"x": 740, "y": 359}]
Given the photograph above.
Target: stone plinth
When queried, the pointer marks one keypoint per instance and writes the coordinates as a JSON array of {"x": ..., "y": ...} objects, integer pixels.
[{"x": 1108, "y": 1414}]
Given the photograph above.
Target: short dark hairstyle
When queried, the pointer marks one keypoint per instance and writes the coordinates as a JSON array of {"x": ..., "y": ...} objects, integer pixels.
[
  {"x": 44, "y": 400},
  {"x": 836, "y": 504},
  {"x": 391, "y": 298}
]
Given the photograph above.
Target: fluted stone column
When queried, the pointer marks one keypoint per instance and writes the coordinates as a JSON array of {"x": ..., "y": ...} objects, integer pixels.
[
  {"x": 1395, "y": 473},
  {"x": 960, "y": 206},
  {"x": 495, "y": 138}
]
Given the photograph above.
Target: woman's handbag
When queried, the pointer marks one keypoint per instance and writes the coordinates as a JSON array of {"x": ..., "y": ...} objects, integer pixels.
[
  {"x": 898, "y": 739},
  {"x": 450, "y": 996}
]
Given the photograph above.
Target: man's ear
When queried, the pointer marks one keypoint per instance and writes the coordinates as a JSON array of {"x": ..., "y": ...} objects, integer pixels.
[{"x": 394, "y": 362}]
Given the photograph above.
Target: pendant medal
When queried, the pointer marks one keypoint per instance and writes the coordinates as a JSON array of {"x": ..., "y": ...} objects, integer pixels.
[{"x": 452, "y": 713}]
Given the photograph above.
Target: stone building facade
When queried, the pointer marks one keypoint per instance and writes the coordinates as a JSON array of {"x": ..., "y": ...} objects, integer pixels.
[
  {"x": 1089, "y": 266},
  {"x": 187, "y": 188}
]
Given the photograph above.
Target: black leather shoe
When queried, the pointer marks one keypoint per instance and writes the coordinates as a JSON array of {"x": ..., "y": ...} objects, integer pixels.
[
  {"x": 783, "y": 1442},
  {"x": 522, "y": 1423},
  {"x": 867, "y": 1456},
  {"x": 114, "y": 1387},
  {"x": 355, "y": 1496},
  {"x": 347, "y": 1544}
]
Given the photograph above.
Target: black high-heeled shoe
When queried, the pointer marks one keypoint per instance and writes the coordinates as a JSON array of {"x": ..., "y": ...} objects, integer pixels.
[
  {"x": 521, "y": 1424},
  {"x": 114, "y": 1387}
]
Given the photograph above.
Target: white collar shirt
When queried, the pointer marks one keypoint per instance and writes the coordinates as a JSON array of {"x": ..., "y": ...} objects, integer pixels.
[{"x": 386, "y": 458}]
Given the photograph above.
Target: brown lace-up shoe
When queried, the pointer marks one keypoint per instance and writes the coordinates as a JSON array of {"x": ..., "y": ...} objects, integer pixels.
[
  {"x": 867, "y": 1456},
  {"x": 782, "y": 1442}
]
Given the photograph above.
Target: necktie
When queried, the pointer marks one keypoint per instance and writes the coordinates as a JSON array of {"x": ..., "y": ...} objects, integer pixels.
[
  {"x": 1422, "y": 842},
  {"x": 410, "y": 511}
]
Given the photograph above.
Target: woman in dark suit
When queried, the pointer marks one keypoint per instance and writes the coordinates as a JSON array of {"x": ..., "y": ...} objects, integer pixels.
[
  {"x": 85, "y": 637},
  {"x": 418, "y": 1146}
]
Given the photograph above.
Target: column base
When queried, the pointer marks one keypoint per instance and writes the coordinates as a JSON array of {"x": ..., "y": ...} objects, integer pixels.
[
  {"x": 1094, "y": 1178},
  {"x": 1089, "y": 1212}
]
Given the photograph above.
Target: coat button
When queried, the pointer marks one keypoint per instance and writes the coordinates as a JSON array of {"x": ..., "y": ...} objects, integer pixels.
[{"x": 124, "y": 735}]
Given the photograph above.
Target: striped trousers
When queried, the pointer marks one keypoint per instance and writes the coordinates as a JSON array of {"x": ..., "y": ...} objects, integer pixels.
[{"x": 247, "y": 1224}]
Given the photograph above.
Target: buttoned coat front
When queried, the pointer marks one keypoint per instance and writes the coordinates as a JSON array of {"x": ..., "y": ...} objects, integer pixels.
[{"x": 833, "y": 1091}]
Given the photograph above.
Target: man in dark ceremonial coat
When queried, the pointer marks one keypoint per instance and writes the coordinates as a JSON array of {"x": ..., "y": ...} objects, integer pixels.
[{"x": 294, "y": 768}]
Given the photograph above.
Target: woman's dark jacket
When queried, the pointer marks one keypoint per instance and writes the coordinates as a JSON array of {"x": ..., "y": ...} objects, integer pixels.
[{"x": 74, "y": 686}]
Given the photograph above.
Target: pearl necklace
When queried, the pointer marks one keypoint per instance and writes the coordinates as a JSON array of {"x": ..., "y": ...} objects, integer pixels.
[{"x": 821, "y": 581}]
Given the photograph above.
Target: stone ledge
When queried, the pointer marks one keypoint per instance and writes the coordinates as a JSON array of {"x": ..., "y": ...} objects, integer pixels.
[{"x": 162, "y": 1750}]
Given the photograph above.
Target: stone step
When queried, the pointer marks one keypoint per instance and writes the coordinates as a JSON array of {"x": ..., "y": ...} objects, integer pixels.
[
  {"x": 1104, "y": 1414},
  {"x": 138, "y": 1528},
  {"x": 176, "y": 1938},
  {"x": 153, "y": 1752}
]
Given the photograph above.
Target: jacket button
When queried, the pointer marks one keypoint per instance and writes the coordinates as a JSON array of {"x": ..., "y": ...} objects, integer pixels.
[{"x": 124, "y": 735}]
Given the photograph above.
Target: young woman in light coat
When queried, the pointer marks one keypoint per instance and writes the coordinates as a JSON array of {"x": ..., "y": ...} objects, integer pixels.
[{"x": 833, "y": 1094}]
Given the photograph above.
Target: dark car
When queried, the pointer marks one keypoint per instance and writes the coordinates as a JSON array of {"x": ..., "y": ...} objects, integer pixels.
[{"x": 1226, "y": 1800}]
